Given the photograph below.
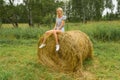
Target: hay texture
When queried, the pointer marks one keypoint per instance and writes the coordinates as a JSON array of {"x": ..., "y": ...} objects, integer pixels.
[{"x": 75, "y": 47}]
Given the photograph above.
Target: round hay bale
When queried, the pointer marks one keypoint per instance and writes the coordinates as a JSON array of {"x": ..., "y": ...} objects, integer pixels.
[{"x": 75, "y": 47}]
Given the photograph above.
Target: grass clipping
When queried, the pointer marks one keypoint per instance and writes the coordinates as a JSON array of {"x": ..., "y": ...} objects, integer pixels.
[{"x": 75, "y": 47}]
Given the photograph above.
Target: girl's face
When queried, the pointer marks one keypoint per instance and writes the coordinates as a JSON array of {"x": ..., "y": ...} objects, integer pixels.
[{"x": 59, "y": 12}]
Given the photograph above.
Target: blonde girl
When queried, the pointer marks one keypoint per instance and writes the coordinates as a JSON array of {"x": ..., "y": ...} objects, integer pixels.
[{"x": 58, "y": 28}]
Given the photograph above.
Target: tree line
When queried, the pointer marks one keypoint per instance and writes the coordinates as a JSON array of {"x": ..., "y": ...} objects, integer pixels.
[{"x": 44, "y": 11}]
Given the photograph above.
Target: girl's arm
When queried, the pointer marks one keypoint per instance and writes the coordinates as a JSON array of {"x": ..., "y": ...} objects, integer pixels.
[{"x": 62, "y": 24}]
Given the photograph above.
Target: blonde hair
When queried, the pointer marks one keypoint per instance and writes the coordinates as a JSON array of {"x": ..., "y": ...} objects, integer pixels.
[{"x": 59, "y": 8}]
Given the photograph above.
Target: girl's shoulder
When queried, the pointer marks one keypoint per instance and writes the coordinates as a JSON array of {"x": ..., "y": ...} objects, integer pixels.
[{"x": 64, "y": 17}]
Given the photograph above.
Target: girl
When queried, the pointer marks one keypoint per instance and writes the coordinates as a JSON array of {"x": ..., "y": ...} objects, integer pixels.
[{"x": 58, "y": 28}]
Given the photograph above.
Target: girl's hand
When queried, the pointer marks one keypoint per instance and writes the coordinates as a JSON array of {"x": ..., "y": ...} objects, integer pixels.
[{"x": 59, "y": 28}]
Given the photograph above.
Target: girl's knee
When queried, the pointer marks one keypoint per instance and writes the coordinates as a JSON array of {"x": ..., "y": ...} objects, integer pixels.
[
  {"x": 47, "y": 32},
  {"x": 54, "y": 32}
]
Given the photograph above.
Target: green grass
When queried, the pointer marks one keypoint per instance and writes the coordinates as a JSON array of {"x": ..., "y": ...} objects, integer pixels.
[
  {"x": 21, "y": 33},
  {"x": 102, "y": 31},
  {"x": 19, "y": 60},
  {"x": 106, "y": 63}
]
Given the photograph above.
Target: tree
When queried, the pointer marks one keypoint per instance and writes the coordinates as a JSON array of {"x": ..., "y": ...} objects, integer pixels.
[
  {"x": 110, "y": 16},
  {"x": 28, "y": 7},
  {"x": 40, "y": 11},
  {"x": 1, "y": 11},
  {"x": 10, "y": 13},
  {"x": 118, "y": 9},
  {"x": 83, "y": 10}
]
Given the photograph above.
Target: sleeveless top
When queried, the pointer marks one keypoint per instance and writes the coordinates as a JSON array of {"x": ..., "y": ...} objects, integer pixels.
[{"x": 59, "y": 21}]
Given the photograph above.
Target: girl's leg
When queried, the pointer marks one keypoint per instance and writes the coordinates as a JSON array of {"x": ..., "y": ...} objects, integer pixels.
[
  {"x": 55, "y": 35},
  {"x": 47, "y": 34},
  {"x": 56, "y": 38}
]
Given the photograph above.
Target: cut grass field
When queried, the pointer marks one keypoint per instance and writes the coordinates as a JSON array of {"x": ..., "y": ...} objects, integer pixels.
[{"x": 19, "y": 60}]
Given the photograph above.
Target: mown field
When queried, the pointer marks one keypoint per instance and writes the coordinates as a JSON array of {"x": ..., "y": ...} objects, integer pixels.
[{"x": 19, "y": 60}]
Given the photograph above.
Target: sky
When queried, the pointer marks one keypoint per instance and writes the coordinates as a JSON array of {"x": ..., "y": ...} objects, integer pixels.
[
  {"x": 16, "y": 1},
  {"x": 108, "y": 10},
  {"x": 104, "y": 12}
]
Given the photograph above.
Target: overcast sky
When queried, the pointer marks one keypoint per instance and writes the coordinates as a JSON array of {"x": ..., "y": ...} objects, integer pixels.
[
  {"x": 104, "y": 12},
  {"x": 108, "y": 10}
]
